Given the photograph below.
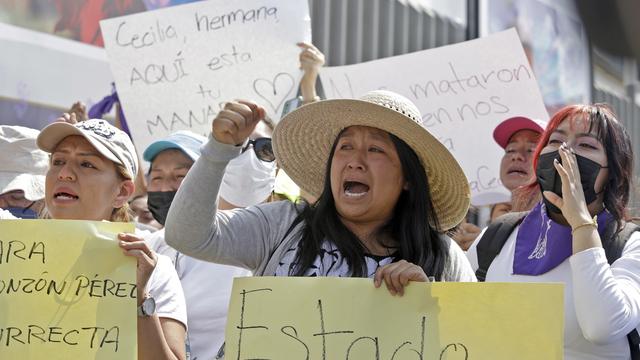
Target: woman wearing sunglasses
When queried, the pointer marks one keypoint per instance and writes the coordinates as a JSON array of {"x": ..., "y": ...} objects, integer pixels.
[
  {"x": 250, "y": 177},
  {"x": 373, "y": 167}
]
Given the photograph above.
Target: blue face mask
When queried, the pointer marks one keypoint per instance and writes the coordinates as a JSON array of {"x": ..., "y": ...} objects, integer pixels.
[{"x": 23, "y": 213}]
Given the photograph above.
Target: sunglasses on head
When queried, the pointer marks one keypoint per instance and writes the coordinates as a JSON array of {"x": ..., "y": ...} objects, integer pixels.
[{"x": 262, "y": 148}]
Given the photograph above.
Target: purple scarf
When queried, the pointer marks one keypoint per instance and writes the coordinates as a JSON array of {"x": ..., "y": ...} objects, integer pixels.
[{"x": 542, "y": 244}]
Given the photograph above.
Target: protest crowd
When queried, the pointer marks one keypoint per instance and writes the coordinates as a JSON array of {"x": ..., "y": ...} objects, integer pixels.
[{"x": 352, "y": 187}]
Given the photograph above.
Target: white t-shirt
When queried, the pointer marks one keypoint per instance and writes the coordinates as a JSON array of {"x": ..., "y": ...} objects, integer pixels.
[
  {"x": 207, "y": 288},
  {"x": 601, "y": 302},
  {"x": 144, "y": 228},
  {"x": 164, "y": 286},
  {"x": 330, "y": 262}
]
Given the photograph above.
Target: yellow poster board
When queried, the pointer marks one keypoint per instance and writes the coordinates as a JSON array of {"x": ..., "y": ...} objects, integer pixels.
[
  {"x": 66, "y": 291},
  {"x": 338, "y": 318}
]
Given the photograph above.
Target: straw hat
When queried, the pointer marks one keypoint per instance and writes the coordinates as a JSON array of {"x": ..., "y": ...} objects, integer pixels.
[{"x": 303, "y": 139}]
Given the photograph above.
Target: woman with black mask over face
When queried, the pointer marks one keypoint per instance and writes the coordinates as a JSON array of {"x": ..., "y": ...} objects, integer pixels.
[
  {"x": 170, "y": 159},
  {"x": 583, "y": 166},
  {"x": 249, "y": 180}
]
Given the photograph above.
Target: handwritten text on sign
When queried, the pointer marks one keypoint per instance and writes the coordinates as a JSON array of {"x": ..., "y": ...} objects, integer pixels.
[
  {"x": 331, "y": 318},
  {"x": 66, "y": 291},
  {"x": 175, "y": 67},
  {"x": 463, "y": 92}
]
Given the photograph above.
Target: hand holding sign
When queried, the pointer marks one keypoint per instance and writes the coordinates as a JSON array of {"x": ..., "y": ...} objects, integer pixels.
[
  {"x": 397, "y": 275},
  {"x": 311, "y": 59},
  {"x": 236, "y": 122},
  {"x": 133, "y": 245}
]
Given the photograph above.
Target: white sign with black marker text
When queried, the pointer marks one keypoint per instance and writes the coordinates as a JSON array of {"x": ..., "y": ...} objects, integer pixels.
[
  {"x": 175, "y": 67},
  {"x": 463, "y": 91}
]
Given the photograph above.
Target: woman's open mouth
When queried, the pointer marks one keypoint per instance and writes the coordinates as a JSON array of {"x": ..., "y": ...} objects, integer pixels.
[
  {"x": 63, "y": 196},
  {"x": 518, "y": 171},
  {"x": 355, "y": 189}
]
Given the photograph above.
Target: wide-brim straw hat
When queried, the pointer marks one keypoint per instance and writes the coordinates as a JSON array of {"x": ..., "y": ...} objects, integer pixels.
[{"x": 303, "y": 140}]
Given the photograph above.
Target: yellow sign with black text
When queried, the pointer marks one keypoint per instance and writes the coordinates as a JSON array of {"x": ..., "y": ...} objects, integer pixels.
[
  {"x": 347, "y": 318},
  {"x": 66, "y": 291}
]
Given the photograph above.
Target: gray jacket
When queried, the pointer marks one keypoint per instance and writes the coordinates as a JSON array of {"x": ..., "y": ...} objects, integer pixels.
[{"x": 252, "y": 238}]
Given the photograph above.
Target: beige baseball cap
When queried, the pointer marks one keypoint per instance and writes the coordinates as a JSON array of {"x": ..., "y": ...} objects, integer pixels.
[{"x": 111, "y": 142}]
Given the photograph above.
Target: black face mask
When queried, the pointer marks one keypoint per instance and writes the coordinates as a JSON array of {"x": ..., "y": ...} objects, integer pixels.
[
  {"x": 159, "y": 203},
  {"x": 549, "y": 179}
]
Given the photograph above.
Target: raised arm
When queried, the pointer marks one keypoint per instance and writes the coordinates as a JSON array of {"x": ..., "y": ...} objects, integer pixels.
[
  {"x": 194, "y": 225},
  {"x": 311, "y": 60}
]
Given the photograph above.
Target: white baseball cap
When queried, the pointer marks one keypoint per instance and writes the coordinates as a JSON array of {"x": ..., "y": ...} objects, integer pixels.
[
  {"x": 111, "y": 142},
  {"x": 23, "y": 166}
]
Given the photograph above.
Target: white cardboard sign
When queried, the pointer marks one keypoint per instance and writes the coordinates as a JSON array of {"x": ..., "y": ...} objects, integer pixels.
[
  {"x": 463, "y": 91},
  {"x": 175, "y": 67}
]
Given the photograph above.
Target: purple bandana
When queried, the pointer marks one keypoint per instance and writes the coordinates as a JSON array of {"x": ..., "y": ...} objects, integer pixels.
[{"x": 542, "y": 244}]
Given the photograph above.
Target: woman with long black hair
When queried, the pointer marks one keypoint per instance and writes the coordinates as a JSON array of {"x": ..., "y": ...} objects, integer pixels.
[{"x": 387, "y": 191}]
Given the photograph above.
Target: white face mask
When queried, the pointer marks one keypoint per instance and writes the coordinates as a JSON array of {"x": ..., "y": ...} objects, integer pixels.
[{"x": 248, "y": 180}]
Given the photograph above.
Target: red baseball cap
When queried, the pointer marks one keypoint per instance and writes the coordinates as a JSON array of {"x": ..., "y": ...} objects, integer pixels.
[{"x": 507, "y": 128}]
